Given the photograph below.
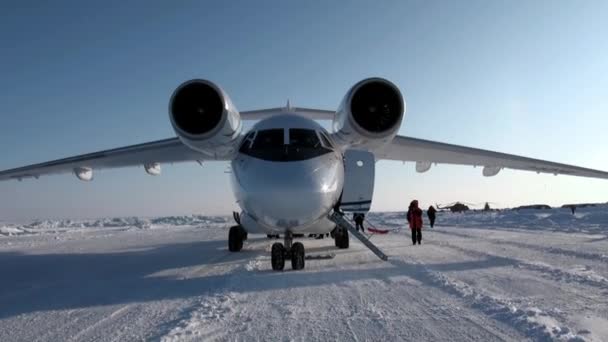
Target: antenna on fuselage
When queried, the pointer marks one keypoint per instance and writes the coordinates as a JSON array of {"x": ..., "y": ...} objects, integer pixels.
[{"x": 288, "y": 108}]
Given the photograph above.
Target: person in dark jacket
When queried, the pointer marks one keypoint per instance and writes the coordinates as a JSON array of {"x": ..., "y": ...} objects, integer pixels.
[
  {"x": 414, "y": 217},
  {"x": 359, "y": 218},
  {"x": 431, "y": 213}
]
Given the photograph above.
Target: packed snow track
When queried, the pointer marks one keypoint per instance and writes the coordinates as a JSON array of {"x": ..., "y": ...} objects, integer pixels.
[{"x": 533, "y": 275}]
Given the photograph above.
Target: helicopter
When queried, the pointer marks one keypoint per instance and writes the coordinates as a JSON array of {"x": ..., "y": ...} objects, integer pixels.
[{"x": 459, "y": 207}]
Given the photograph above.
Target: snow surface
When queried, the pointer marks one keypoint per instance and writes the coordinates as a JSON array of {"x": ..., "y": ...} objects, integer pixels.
[{"x": 538, "y": 275}]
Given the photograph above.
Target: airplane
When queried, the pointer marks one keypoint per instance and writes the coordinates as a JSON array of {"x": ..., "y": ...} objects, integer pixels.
[{"x": 289, "y": 174}]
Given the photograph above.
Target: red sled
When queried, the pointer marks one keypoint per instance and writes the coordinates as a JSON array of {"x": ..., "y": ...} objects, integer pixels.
[{"x": 377, "y": 231}]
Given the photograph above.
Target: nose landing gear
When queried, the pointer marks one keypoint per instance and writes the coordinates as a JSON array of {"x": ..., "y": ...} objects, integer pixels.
[{"x": 294, "y": 251}]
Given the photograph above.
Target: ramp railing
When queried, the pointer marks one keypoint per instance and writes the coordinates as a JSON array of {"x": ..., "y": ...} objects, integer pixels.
[{"x": 342, "y": 222}]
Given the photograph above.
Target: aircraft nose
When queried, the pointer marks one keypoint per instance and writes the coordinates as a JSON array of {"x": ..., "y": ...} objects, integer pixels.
[
  {"x": 292, "y": 209},
  {"x": 289, "y": 195}
]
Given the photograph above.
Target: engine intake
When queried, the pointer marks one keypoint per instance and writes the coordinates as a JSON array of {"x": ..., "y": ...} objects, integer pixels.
[
  {"x": 204, "y": 118},
  {"x": 196, "y": 108},
  {"x": 376, "y": 106},
  {"x": 370, "y": 114}
]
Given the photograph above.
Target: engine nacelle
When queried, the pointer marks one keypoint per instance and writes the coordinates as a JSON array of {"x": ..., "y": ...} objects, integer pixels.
[
  {"x": 204, "y": 118},
  {"x": 370, "y": 114}
]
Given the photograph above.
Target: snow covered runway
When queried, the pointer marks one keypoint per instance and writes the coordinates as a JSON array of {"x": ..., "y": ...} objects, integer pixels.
[{"x": 155, "y": 280}]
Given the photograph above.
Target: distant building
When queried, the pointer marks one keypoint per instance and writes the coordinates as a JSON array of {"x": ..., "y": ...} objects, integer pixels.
[{"x": 581, "y": 205}]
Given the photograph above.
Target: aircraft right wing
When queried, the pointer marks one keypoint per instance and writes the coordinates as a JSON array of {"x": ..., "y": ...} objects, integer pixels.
[
  {"x": 426, "y": 152},
  {"x": 162, "y": 151}
]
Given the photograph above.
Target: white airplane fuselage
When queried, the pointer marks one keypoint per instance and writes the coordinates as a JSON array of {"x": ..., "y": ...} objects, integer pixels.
[{"x": 286, "y": 185}]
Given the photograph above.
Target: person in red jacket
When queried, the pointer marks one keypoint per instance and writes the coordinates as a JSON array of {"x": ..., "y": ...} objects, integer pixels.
[{"x": 414, "y": 217}]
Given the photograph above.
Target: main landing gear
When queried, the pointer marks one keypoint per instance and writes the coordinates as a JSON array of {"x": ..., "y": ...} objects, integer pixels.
[
  {"x": 341, "y": 237},
  {"x": 236, "y": 236},
  {"x": 293, "y": 251}
]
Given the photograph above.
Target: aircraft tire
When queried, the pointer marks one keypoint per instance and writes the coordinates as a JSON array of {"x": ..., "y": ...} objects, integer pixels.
[
  {"x": 277, "y": 256},
  {"x": 235, "y": 239},
  {"x": 342, "y": 240},
  {"x": 297, "y": 256}
]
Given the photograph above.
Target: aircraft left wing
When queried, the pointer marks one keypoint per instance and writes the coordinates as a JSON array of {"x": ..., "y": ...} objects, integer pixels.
[
  {"x": 162, "y": 151},
  {"x": 426, "y": 152}
]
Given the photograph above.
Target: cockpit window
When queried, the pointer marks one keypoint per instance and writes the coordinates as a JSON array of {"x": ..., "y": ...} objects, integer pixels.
[
  {"x": 270, "y": 138},
  {"x": 247, "y": 141},
  {"x": 270, "y": 145},
  {"x": 306, "y": 138},
  {"x": 267, "y": 144},
  {"x": 325, "y": 140},
  {"x": 305, "y": 144}
]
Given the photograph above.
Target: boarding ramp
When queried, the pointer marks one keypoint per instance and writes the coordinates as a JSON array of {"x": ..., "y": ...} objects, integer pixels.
[{"x": 339, "y": 219}]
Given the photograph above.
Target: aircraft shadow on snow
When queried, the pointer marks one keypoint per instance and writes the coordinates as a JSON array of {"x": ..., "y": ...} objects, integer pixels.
[{"x": 42, "y": 282}]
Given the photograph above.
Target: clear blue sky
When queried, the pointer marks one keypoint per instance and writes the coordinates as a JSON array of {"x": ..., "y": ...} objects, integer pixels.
[{"x": 523, "y": 77}]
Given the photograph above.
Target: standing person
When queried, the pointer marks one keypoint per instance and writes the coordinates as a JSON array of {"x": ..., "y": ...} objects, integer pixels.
[
  {"x": 359, "y": 217},
  {"x": 414, "y": 217},
  {"x": 431, "y": 213}
]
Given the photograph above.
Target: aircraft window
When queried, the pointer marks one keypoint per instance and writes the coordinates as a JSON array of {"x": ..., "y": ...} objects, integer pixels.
[
  {"x": 267, "y": 144},
  {"x": 247, "y": 140},
  {"x": 303, "y": 138},
  {"x": 325, "y": 140},
  {"x": 305, "y": 144},
  {"x": 270, "y": 145},
  {"x": 270, "y": 138}
]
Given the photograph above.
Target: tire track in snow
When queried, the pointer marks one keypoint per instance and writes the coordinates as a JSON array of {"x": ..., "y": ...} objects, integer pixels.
[
  {"x": 210, "y": 315},
  {"x": 552, "y": 319},
  {"x": 545, "y": 249},
  {"x": 205, "y": 319},
  {"x": 113, "y": 315},
  {"x": 368, "y": 309},
  {"x": 585, "y": 277},
  {"x": 532, "y": 322}
]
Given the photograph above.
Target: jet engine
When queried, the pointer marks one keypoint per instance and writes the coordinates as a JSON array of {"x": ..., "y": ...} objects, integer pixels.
[
  {"x": 370, "y": 114},
  {"x": 204, "y": 118}
]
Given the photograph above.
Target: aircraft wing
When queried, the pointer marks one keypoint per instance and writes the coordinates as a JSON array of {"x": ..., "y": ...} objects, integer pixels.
[
  {"x": 426, "y": 152},
  {"x": 162, "y": 151}
]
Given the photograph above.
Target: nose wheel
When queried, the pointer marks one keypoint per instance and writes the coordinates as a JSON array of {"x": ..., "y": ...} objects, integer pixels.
[
  {"x": 297, "y": 256},
  {"x": 280, "y": 252},
  {"x": 277, "y": 256}
]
